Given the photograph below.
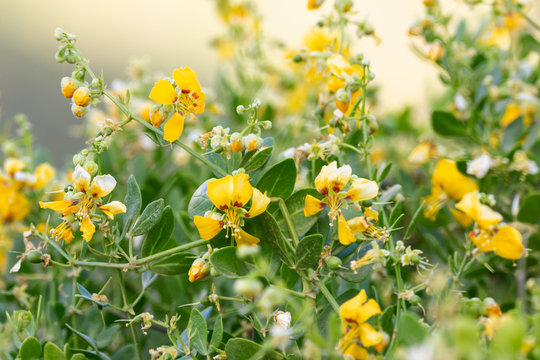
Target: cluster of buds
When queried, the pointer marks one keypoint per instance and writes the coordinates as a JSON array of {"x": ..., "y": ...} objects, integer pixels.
[
  {"x": 164, "y": 353},
  {"x": 75, "y": 87},
  {"x": 220, "y": 141},
  {"x": 316, "y": 150},
  {"x": 85, "y": 159},
  {"x": 407, "y": 255},
  {"x": 145, "y": 319}
]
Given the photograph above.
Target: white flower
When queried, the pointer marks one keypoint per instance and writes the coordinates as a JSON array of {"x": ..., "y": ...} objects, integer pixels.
[
  {"x": 283, "y": 319},
  {"x": 461, "y": 103},
  {"x": 480, "y": 166}
]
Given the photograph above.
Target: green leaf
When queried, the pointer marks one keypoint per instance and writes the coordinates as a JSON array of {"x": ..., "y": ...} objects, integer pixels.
[
  {"x": 85, "y": 294},
  {"x": 133, "y": 202},
  {"x": 530, "y": 209},
  {"x": 107, "y": 335},
  {"x": 387, "y": 319},
  {"x": 410, "y": 330},
  {"x": 289, "y": 276},
  {"x": 243, "y": 349},
  {"x": 89, "y": 341},
  {"x": 384, "y": 172},
  {"x": 278, "y": 181},
  {"x": 309, "y": 251},
  {"x": 159, "y": 237},
  {"x": 389, "y": 194},
  {"x": 227, "y": 263},
  {"x": 295, "y": 204},
  {"x": 79, "y": 357},
  {"x": 217, "y": 332},
  {"x": 149, "y": 217},
  {"x": 259, "y": 159},
  {"x": 200, "y": 203},
  {"x": 512, "y": 134},
  {"x": 217, "y": 160},
  {"x": 273, "y": 235},
  {"x": 175, "y": 264},
  {"x": 197, "y": 331},
  {"x": 360, "y": 275},
  {"x": 446, "y": 124},
  {"x": 30, "y": 349},
  {"x": 52, "y": 352}
]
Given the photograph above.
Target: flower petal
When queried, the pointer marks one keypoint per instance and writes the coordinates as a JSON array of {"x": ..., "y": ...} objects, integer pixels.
[
  {"x": 102, "y": 185},
  {"x": 369, "y": 336},
  {"x": 163, "y": 92},
  {"x": 243, "y": 238},
  {"x": 220, "y": 192},
  {"x": 207, "y": 226},
  {"x": 313, "y": 205},
  {"x": 59, "y": 206},
  {"x": 173, "y": 128},
  {"x": 259, "y": 203},
  {"x": 242, "y": 190},
  {"x": 186, "y": 79},
  {"x": 323, "y": 180},
  {"x": 362, "y": 189},
  {"x": 81, "y": 178},
  {"x": 507, "y": 243},
  {"x": 113, "y": 208},
  {"x": 88, "y": 228},
  {"x": 345, "y": 234}
]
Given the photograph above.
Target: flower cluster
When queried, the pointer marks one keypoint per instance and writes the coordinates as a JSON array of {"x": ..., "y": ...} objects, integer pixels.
[{"x": 80, "y": 202}]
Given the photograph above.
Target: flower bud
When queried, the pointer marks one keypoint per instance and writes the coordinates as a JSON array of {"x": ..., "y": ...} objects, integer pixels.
[
  {"x": 267, "y": 124},
  {"x": 414, "y": 300},
  {"x": 248, "y": 288},
  {"x": 236, "y": 142},
  {"x": 59, "y": 33},
  {"x": 82, "y": 96},
  {"x": 240, "y": 109},
  {"x": 333, "y": 262},
  {"x": 34, "y": 256},
  {"x": 60, "y": 56},
  {"x": 91, "y": 167},
  {"x": 78, "y": 159},
  {"x": 256, "y": 103},
  {"x": 157, "y": 115},
  {"x": 297, "y": 58},
  {"x": 95, "y": 83},
  {"x": 343, "y": 5},
  {"x": 198, "y": 270},
  {"x": 252, "y": 142},
  {"x": 68, "y": 86},
  {"x": 343, "y": 96},
  {"x": 78, "y": 111}
]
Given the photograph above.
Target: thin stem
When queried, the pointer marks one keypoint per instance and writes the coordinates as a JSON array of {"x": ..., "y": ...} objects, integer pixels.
[
  {"x": 288, "y": 219},
  {"x": 328, "y": 296},
  {"x": 131, "y": 325},
  {"x": 171, "y": 251}
]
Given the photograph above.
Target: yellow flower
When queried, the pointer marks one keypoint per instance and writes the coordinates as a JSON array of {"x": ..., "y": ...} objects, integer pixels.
[
  {"x": 447, "y": 182},
  {"x": 13, "y": 165},
  {"x": 14, "y": 206},
  {"x": 434, "y": 51},
  {"x": 88, "y": 196},
  {"x": 504, "y": 240},
  {"x": 314, "y": 4},
  {"x": 230, "y": 195},
  {"x": 514, "y": 110},
  {"x": 318, "y": 39},
  {"x": 330, "y": 182},
  {"x": 358, "y": 334},
  {"x": 422, "y": 153},
  {"x": 44, "y": 173},
  {"x": 189, "y": 100},
  {"x": 340, "y": 68}
]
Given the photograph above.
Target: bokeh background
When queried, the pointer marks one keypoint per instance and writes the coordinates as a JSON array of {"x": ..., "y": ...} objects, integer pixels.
[{"x": 174, "y": 33}]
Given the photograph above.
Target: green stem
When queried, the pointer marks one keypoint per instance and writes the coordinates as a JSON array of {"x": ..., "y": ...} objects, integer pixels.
[
  {"x": 288, "y": 219},
  {"x": 328, "y": 296},
  {"x": 171, "y": 251},
  {"x": 131, "y": 325}
]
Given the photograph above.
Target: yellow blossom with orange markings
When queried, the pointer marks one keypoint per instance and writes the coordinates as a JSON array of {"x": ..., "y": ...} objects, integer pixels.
[
  {"x": 230, "y": 195},
  {"x": 330, "y": 183},
  {"x": 504, "y": 240},
  {"x": 79, "y": 206},
  {"x": 186, "y": 99},
  {"x": 358, "y": 333},
  {"x": 447, "y": 183}
]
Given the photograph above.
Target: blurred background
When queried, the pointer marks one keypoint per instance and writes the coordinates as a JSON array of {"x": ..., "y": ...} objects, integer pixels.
[{"x": 173, "y": 33}]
